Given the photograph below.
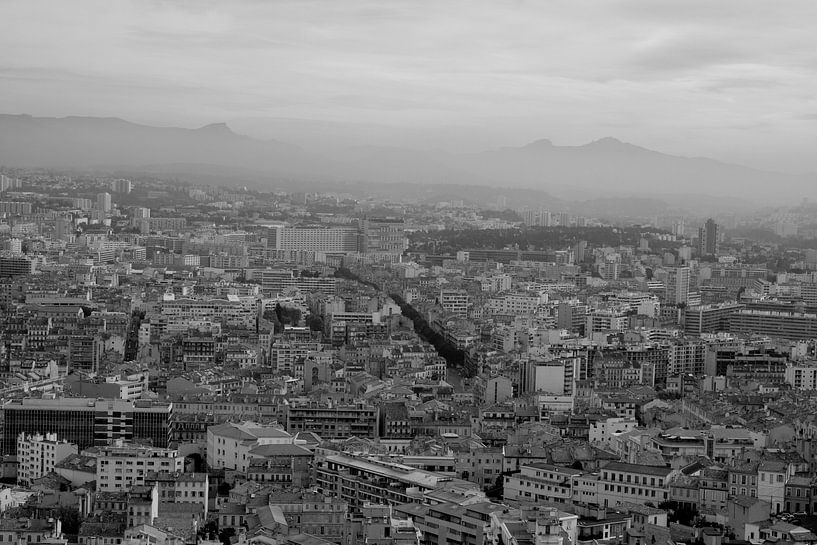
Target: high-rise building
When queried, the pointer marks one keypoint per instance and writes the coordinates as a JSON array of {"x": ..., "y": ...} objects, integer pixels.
[
  {"x": 121, "y": 186},
  {"x": 708, "y": 238},
  {"x": 103, "y": 202},
  {"x": 677, "y": 286}
]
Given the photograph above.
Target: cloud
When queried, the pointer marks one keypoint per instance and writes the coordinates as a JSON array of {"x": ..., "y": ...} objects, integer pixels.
[{"x": 565, "y": 69}]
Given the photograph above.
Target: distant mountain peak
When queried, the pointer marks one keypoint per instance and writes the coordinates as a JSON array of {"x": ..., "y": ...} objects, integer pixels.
[
  {"x": 217, "y": 128},
  {"x": 538, "y": 145},
  {"x": 610, "y": 143}
]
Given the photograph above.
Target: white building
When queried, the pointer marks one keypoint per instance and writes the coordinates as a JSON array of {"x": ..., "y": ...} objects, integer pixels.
[
  {"x": 604, "y": 431},
  {"x": 455, "y": 301},
  {"x": 539, "y": 482},
  {"x": 229, "y": 445},
  {"x": 37, "y": 455},
  {"x": 119, "y": 467},
  {"x": 802, "y": 376}
]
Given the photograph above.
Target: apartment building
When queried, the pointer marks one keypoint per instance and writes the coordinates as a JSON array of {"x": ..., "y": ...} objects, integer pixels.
[
  {"x": 179, "y": 487},
  {"x": 229, "y": 444},
  {"x": 38, "y": 454},
  {"x": 621, "y": 482},
  {"x": 334, "y": 421},
  {"x": 119, "y": 467},
  {"x": 356, "y": 480},
  {"x": 540, "y": 482}
]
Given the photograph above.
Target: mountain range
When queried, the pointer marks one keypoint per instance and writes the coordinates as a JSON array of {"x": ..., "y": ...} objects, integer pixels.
[{"x": 605, "y": 168}]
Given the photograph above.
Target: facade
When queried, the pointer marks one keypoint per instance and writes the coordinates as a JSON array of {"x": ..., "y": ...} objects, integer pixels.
[
  {"x": 179, "y": 487},
  {"x": 87, "y": 422},
  {"x": 455, "y": 302},
  {"x": 708, "y": 238},
  {"x": 229, "y": 445},
  {"x": 119, "y": 467},
  {"x": 785, "y": 325},
  {"x": 356, "y": 480},
  {"x": 621, "y": 482},
  {"x": 38, "y": 455},
  {"x": 709, "y": 318},
  {"x": 333, "y": 421},
  {"x": 677, "y": 286},
  {"x": 540, "y": 482}
]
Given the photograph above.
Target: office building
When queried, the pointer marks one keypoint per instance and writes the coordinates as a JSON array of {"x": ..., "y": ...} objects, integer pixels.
[
  {"x": 38, "y": 454},
  {"x": 11, "y": 265},
  {"x": 708, "y": 238},
  {"x": 709, "y": 318},
  {"x": 87, "y": 422}
]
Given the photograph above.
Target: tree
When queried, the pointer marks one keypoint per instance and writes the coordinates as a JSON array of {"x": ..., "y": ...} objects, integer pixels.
[
  {"x": 314, "y": 322},
  {"x": 70, "y": 518},
  {"x": 225, "y": 534}
]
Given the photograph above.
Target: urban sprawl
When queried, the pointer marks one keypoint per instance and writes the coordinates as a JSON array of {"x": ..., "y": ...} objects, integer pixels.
[{"x": 188, "y": 364}]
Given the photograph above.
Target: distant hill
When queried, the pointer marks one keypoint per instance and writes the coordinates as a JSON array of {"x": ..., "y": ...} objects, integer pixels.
[{"x": 605, "y": 168}]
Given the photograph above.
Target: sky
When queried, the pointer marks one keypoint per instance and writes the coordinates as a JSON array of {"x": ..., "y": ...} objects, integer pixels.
[{"x": 735, "y": 80}]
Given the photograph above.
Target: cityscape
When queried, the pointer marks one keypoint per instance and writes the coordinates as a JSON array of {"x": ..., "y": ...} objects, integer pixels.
[{"x": 359, "y": 312}]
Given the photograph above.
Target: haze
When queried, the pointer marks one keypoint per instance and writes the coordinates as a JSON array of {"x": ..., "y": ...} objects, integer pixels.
[{"x": 730, "y": 80}]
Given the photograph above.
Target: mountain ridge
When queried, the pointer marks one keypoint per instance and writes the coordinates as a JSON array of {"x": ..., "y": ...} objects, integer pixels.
[{"x": 603, "y": 167}]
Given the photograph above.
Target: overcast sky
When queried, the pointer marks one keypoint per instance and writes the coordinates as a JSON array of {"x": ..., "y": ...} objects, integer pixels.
[{"x": 733, "y": 80}]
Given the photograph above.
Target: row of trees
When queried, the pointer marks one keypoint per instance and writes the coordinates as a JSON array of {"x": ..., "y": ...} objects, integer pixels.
[{"x": 453, "y": 356}]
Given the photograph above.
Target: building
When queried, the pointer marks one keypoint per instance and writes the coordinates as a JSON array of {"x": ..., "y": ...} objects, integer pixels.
[
  {"x": 87, "y": 422},
  {"x": 383, "y": 236},
  {"x": 357, "y": 480},
  {"x": 677, "y": 286},
  {"x": 12, "y": 265},
  {"x": 121, "y": 186},
  {"x": 333, "y": 421},
  {"x": 327, "y": 240},
  {"x": 37, "y": 455},
  {"x": 15, "y": 208},
  {"x": 708, "y": 238},
  {"x": 620, "y": 482},
  {"x": 541, "y": 482},
  {"x": 784, "y": 325},
  {"x": 179, "y": 487},
  {"x": 121, "y": 466},
  {"x": 709, "y": 318},
  {"x": 229, "y": 444},
  {"x": 455, "y": 302},
  {"x": 802, "y": 376},
  {"x": 103, "y": 202}
]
